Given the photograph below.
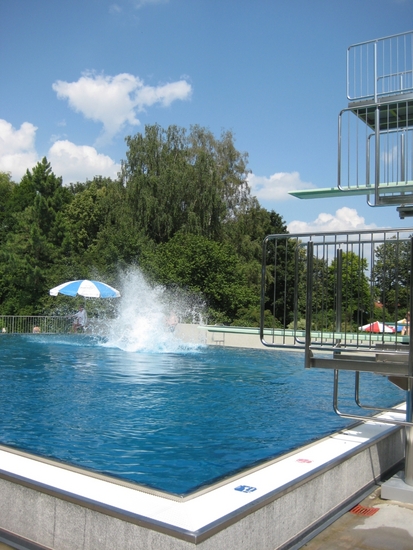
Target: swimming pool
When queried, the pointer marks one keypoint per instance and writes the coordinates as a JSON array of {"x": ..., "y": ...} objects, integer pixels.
[{"x": 170, "y": 420}]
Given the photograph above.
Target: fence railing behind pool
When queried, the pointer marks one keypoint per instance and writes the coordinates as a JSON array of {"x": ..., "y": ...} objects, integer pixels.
[{"x": 29, "y": 324}]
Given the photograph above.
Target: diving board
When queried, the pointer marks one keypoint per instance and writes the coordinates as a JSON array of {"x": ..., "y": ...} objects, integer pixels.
[{"x": 333, "y": 192}]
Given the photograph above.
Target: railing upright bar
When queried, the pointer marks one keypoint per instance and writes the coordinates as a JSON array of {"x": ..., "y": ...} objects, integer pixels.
[{"x": 309, "y": 303}]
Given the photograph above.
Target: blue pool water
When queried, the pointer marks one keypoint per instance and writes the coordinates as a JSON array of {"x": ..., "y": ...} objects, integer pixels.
[{"x": 173, "y": 421}]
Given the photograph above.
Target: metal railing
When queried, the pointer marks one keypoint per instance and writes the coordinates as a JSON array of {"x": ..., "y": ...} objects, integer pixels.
[
  {"x": 375, "y": 151},
  {"x": 380, "y": 67},
  {"x": 28, "y": 324},
  {"x": 331, "y": 291},
  {"x": 330, "y": 284}
]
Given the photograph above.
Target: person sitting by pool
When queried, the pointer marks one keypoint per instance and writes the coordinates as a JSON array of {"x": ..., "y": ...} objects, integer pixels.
[
  {"x": 80, "y": 319},
  {"x": 406, "y": 328}
]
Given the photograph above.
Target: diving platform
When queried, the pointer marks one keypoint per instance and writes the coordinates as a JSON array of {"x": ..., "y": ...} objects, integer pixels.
[
  {"x": 388, "y": 113},
  {"x": 375, "y": 130},
  {"x": 334, "y": 192}
]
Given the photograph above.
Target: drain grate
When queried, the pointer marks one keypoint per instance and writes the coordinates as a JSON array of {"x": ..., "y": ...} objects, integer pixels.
[{"x": 364, "y": 510}]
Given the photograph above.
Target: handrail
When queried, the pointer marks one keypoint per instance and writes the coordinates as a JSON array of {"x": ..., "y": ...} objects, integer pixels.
[
  {"x": 29, "y": 324},
  {"x": 380, "y": 67},
  {"x": 359, "y": 417}
]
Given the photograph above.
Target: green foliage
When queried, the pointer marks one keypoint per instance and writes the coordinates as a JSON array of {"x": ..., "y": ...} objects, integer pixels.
[
  {"x": 206, "y": 267},
  {"x": 181, "y": 210},
  {"x": 251, "y": 317},
  {"x": 177, "y": 181},
  {"x": 391, "y": 275},
  {"x": 29, "y": 251},
  {"x": 282, "y": 279},
  {"x": 6, "y": 192}
]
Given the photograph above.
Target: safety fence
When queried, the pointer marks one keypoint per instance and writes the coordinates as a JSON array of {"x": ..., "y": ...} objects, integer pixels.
[{"x": 28, "y": 324}]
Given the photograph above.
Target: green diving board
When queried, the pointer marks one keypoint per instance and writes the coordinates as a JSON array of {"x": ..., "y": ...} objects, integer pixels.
[{"x": 332, "y": 192}]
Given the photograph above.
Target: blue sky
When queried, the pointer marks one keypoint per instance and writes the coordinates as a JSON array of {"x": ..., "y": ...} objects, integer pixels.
[{"x": 77, "y": 76}]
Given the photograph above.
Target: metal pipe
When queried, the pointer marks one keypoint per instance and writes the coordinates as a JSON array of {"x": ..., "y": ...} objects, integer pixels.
[
  {"x": 263, "y": 277},
  {"x": 408, "y": 469},
  {"x": 309, "y": 304},
  {"x": 369, "y": 407},
  {"x": 339, "y": 288},
  {"x": 380, "y": 420},
  {"x": 375, "y": 71},
  {"x": 377, "y": 155},
  {"x": 402, "y": 159}
]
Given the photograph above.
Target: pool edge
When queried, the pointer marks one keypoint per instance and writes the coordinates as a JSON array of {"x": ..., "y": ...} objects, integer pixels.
[{"x": 54, "y": 518}]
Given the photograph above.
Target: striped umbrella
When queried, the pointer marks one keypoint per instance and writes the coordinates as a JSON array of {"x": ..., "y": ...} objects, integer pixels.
[{"x": 85, "y": 288}]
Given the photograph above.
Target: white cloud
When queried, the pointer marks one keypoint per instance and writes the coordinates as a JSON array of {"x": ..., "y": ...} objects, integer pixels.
[
  {"x": 115, "y": 100},
  {"x": 80, "y": 162},
  {"x": 345, "y": 219},
  {"x": 140, "y": 3},
  {"x": 115, "y": 8},
  {"x": 72, "y": 162},
  {"x": 17, "y": 150},
  {"x": 276, "y": 187}
]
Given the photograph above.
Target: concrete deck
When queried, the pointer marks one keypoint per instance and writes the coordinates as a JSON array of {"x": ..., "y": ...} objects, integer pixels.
[{"x": 390, "y": 527}]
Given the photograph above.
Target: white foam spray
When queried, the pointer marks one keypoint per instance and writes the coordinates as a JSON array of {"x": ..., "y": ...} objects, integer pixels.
[{"x": 144, "y": 312}]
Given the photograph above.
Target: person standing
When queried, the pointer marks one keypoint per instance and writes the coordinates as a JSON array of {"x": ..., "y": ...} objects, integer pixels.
[
  {"x": 406, "y": 328},
  {"x": 80, "y": 319}
]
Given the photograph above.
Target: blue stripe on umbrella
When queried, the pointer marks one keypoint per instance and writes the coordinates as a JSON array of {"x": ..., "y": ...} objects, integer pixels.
[{"x": 85, "y": 288}]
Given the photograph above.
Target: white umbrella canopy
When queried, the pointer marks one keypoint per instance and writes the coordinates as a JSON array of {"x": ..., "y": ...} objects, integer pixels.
[
  {"x": 377, "y": 326},
  {"x": 85, "y": 288}
]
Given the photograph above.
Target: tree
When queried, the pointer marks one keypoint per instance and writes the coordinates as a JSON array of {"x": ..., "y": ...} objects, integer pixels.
[
  {"x": 354, "y": 288},
  {"x": 6, "y": 191},
  {"x": 29, "y": 252},
  {"x": 181, "y": 209},
  {"x": 207, "y": 268},
  {"x": 183, "y": 182},
  {"x": 391, "y": 275}
]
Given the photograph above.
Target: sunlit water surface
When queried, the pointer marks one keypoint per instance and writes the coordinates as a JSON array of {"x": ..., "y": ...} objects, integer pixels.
[{"x": 170, "y": 416}]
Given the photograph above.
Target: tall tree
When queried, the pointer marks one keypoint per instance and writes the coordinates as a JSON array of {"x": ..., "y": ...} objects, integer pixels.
[
  {"x": 31, "y": 249},
  {"x": 6, "y": 191},
  {"x": 354, "y": 287},
  {"x": 177, "y": 181},
  {"x": 391, "y": 274}
]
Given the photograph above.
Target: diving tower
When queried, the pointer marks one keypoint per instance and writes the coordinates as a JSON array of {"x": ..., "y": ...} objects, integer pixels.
[
  {"x": 326, "y": 288},
  {"x": 375, "y": 130}
]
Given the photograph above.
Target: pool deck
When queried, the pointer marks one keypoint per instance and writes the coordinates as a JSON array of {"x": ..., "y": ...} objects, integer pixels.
[{"x": 376, "y": 524}]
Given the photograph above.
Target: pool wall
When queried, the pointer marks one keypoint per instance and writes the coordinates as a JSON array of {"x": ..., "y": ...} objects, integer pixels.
[
  {"x": 277, "y": 506},
  {"x": 235, "y": 337},
  {"x": 249, "y": 337}
]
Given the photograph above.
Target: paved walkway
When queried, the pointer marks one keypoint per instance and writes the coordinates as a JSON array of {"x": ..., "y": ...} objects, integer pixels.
[{"x": 378, "y": 525}]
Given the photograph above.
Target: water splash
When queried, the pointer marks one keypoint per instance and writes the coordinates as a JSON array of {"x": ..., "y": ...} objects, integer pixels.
[{"x": 143, "y": 320}]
